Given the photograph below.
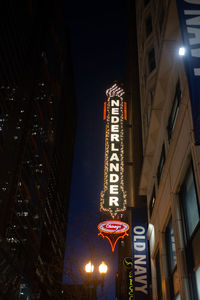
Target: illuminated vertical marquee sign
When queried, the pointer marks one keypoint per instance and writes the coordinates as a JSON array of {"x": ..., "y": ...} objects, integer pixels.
[{"x": 113, "y": 196}]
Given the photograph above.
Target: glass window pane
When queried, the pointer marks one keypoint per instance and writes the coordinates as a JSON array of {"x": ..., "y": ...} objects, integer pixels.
[
  {"x": 171, "y": 248},
  {"x": 161, "y": 165},
  {"x": 151, "y": 60},
  {"x": 190, "y": 203},
  {"x": 174, "y": 111},
  {"x": 148, "y": 26},
  {"x": 178, "y": 297},
  {"x": 158, "y": 276},
  {"x": 197, "y": 279}
]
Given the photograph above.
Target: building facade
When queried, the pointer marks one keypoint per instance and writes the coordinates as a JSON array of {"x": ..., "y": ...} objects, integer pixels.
[
  {"x": 163, "y": 156},
  {"x": 170, "y": 177},
  {"x": 37, "y": 131}
]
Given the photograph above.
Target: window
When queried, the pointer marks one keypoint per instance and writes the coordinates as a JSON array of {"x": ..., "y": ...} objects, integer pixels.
[
  {"x": 161, "y": 165},
  {"x": 174, "y": 111},
  {"x": 148, "y": 23},
  {"x": 149, "y": 107},
  {"x": 189, "y": 203},
  {"x": 146, "y": 2},
  {"x": 161, "y": 15},
  {"x": 171, "y": 248},
  {"x": 158, "y": 277},
  {"x": 152, "y": 201},
  {"x": 178, "y": 297},
  {"x": 197, "y": 282},
  {"x": 151, "y": 60},
  {"x": 171, "y": 256},
  {"x": 191, "y": 221}
]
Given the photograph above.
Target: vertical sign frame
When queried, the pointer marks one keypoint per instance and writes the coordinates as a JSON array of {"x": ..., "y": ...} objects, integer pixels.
[
  {"x": 141, "y": 264},
  {"x": 113, "y": 198}
]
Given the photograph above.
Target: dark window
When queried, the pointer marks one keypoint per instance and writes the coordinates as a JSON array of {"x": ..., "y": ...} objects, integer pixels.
[
  {"x": 189, "y": 203},
  {"x": 152, "y": 201},
  {"x": 148, "y": 26},
  {"x": 178, "y": 297},
  {"x": 174, "y": 111},
  {"x": 146, "y": 2},
  {"x": 171, "y": 255},
  {"x": 191, "y": 220},
  {"x": 161, "y": 164},
  {"x": 158, "y": 277},
  {"x": 151, "y": 60},
  {"x": 161, "y": 16},
  {"x": 149, "y": 107},
  {"x": 171, "y": 249},
  {"x": 197, "y": 282}
]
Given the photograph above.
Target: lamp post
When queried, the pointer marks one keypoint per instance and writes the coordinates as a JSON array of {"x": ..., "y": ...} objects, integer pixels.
[{"x": 93, "y": 281}]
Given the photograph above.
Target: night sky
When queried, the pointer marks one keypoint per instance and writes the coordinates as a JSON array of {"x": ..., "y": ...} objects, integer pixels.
[{"x": 98, "y": 43}]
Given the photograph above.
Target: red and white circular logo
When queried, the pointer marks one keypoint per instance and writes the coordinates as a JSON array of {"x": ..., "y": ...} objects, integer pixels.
[{"x": 113, "y": 226}]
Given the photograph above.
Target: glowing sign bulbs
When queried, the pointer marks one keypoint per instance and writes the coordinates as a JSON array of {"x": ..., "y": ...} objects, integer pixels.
[{"x": 113, "y": 196}]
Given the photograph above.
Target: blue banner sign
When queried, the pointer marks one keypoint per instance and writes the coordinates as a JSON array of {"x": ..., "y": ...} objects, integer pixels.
[
  {"x": 189, "y": 17},
  {"x": 141, "y": 268}
]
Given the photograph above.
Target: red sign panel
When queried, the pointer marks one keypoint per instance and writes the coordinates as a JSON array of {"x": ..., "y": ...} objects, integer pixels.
[
  {"x": 113, "y": 230},
  {"x": 113, "y": 226}
]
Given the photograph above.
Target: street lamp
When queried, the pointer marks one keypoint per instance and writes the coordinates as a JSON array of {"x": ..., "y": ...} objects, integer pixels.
[
  {"x": 89, "y": 268},
  {"x": 93, "y": 281},
  {"x": 103, "y": 268}
]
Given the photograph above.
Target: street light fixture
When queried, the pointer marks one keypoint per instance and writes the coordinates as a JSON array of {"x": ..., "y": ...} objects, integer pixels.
[
  {"x": 103, "y": 268},
  {"x": 89, "y": 268},
  {"x": 93, "y": 280}
]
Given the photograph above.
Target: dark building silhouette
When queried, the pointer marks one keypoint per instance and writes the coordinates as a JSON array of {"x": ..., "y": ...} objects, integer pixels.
[
  {"x": 79, "y": 291},
  {"x": 37, "y": 131}
]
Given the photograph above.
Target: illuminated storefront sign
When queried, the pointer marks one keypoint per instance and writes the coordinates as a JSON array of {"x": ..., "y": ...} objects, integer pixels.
[
  {"x": 128, "y": 263},
  {"x": 189, "y": 15},
  {"x": 113, "y": 226},
  {"x": 141, "y": 268},
  {"x": 113, "y": 197},
  {"x": 113, "y": 230}
]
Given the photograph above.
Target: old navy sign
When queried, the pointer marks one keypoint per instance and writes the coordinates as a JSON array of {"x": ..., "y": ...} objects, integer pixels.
[
  {"x": 189, "y": 17},
  {"x": 113, "y": 197},
  {"x": 141, "y": 269}
]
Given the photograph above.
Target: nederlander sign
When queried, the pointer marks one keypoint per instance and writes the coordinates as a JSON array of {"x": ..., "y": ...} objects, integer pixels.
[{"x": 113, "y": 197}]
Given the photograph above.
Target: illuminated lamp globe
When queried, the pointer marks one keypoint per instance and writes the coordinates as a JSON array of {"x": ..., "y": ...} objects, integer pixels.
[
  {"x": 103, "y": 268},
  {"x": 89, "y": 268},
  {"x": 182, "y": 51}
]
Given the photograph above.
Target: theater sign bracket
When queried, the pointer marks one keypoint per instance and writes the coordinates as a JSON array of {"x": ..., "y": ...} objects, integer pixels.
[
  {"x": 113, "y": 199},
  {"x": 113, "y": 230}
]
